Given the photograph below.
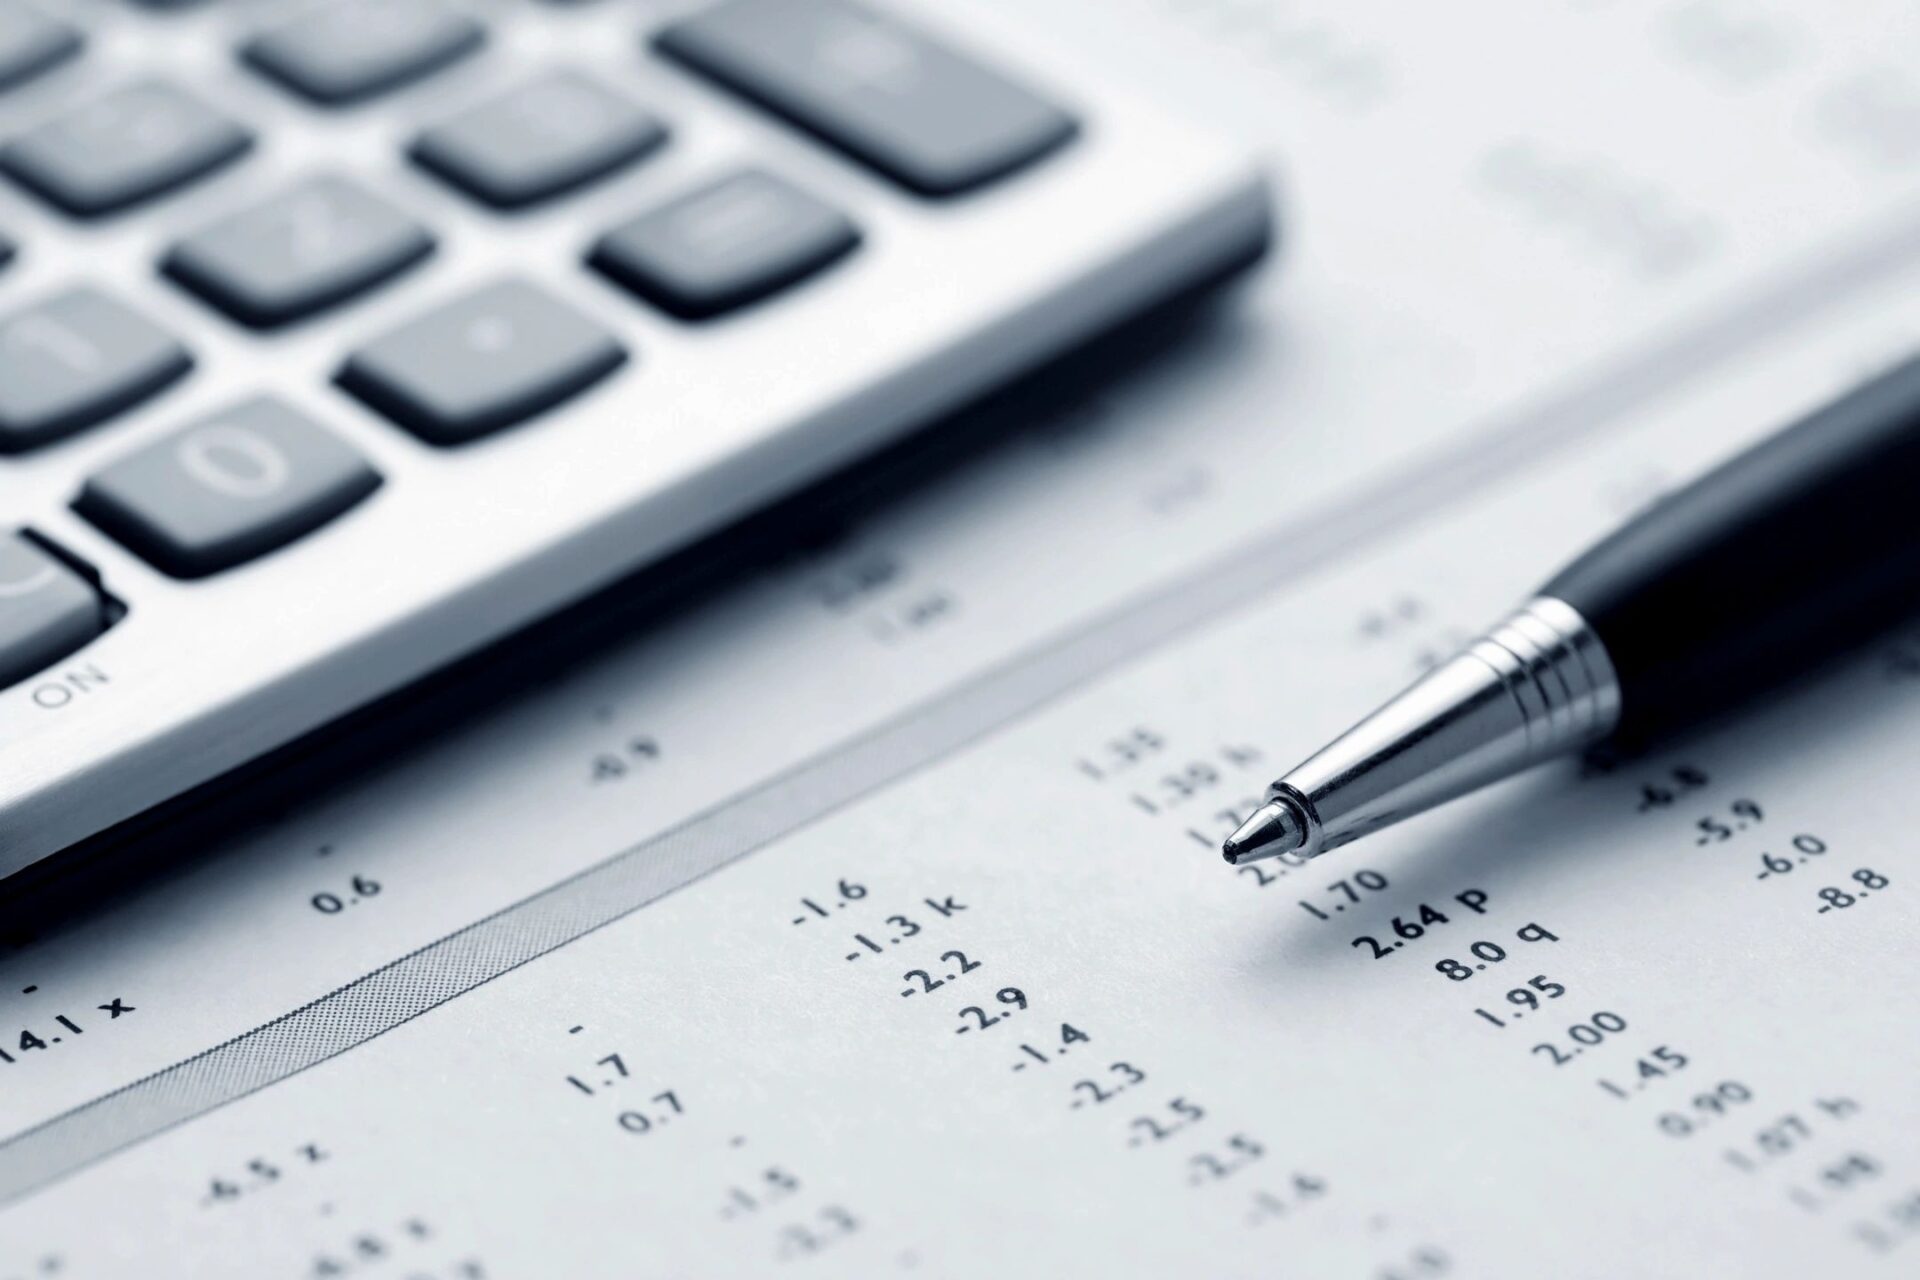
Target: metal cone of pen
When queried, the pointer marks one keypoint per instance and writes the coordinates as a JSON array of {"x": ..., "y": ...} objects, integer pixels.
[
  {"x": 1536, "y": 686},
  {"x": 1789, "y": 554}
]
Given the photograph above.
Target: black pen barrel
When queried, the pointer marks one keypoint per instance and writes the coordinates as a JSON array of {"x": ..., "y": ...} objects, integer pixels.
[{"x": 1798, "y": 548}]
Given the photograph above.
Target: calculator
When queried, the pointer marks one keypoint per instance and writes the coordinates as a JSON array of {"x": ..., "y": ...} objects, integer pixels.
[{"x": 339, "y": 339}]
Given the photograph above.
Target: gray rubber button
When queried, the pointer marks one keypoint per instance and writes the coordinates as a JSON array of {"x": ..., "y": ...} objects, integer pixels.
[
  {"x": 484, "y": 361},
  {"x": 343, "y": 51},
  {"x": 925, "y": 115},
  {"x": 74, "y": 359},
  {"x": 226, "y": 489},
  {"x": 46, "y": 609},
  {"x": 306, "y": 249},
  {"x": 730, "y": 243},
  {"x": 137, "y": 142},
  {"x": 548, "y": 136},
  {"x": 31, "y": 42}
]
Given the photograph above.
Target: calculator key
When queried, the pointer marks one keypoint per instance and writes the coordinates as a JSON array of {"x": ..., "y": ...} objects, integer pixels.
[
  {"x": 746, "y": 236},
  {"x": 137, "y": 142},
  {"x": 347, "y": 50},
  {"x": 74, "y": 359},
  {"x": 545, "y": 137},
  {"x": 227, "y": 489},
  {"x": 302, "y": 251},
  {"x": 31, "y": 42},
  {"x": 46, "y": 609},
  {"x": 487, "y": 360},
  {"x": 925, "y": 115}
]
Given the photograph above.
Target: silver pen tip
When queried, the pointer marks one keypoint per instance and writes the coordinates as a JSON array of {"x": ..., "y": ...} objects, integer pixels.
[{"x": 1275, "y": 828}]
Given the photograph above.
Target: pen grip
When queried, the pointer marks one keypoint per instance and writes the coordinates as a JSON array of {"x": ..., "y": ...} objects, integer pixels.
[{"x": 1802, "y": 546}]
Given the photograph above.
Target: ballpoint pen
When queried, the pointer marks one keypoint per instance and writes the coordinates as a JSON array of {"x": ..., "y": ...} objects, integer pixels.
[{"x": 1799, "y": 547}]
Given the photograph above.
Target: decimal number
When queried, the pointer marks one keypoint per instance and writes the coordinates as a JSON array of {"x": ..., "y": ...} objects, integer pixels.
[
  {"x": 373, "y": 1253},
  {"x": 1346, "y": 892},
  {"x": 1181, "y": 783},
  {"x": 920, "y": 982},
  {"x": 975, "y": 1018},
  {"x": 640, "y": 1122},
  {"x": 1415, "y": 924},
  {"x": 1178, "y": 1114},
  {"x": 1804, "y": 847},
  {"x": 1836, "y": 899},
  {"x": 1268, "y": 1205},
  {"x": 1177, "y": 787},
  {"x": 634, "y": 755},
  {"x": 825, "y": 1228},
  {"x": 845, "y": 891},
  {"x": 258, "y": 1174},
  {"x": 1658, "y": 1064},
  {"x": 1120, "y": 1077},
  {"x": 1120, "y": 753},
  {"x": 353, "y": 893},
  {"x": 1786, "y": 1134},
  {"x": 1240, "y": 1151},
  {"x": 1583, "y": 1035},
  {"x": 614, "y": 1075},
  {"x": 1718, "y": 828},
  {"x": 1664, "y": 792},
  {"x": 1484, "y": 953},
  {"x": 1525, "y": 999},
  {"x": 1704, "y": 1108},
  {"x": 63, "y": 1029},
  {"x": 1898, "y": 1221},
  {"x": 843, "y": 585}
]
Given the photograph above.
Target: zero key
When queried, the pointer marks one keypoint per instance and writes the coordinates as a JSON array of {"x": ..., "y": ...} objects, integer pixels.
[
  {"x": 925, "y": 115},
  {"x": 226, "y": 489}
]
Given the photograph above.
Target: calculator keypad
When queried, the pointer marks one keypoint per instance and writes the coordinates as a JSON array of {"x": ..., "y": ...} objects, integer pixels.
[
  {"x": 487, "y": 360},
  {"x": 925, "y": 115},
  {"x": 316, "y": 244},
  {"x": 134, "y": 143},
  {"x": 538, "y": 140},
  {"x": 46, "y": 609},
  {"x": 227, "y": 489},
  {"x": 31, "y": 42},
  {"x": 441, "y": 234},
  {"x": 75, "y": 358},
  {"x": 732, "y": 242},
  {"x": 346, "y": 51}
]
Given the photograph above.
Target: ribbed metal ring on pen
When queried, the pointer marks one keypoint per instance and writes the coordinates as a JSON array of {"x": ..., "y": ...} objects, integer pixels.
[
  {"x": 1557, "y": 672},
  {"x": 1538, "y": 685}
]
